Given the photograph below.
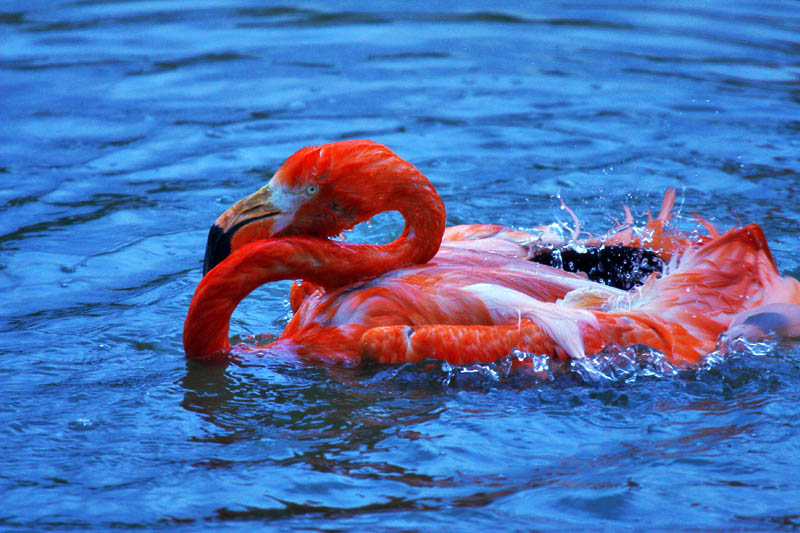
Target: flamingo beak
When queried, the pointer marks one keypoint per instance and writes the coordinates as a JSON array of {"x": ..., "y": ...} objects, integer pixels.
[{"x": 250, "y": 219}]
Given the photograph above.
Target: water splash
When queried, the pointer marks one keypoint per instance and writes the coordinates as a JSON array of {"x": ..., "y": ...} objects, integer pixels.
[
  {"x": 739, "y": 366},
  {"x": 516, "y": 369},
  {"x": 623, "y": 364},
  {"x": 737, "y": 346},
  {"x": 616, "y": 365}
]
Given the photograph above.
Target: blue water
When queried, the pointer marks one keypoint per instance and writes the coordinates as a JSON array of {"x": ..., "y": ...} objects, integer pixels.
[{"x": 127, "y": 127}]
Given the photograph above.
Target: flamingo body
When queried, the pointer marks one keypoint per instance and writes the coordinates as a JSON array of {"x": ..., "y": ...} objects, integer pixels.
[{"x": 473, "y": 297}]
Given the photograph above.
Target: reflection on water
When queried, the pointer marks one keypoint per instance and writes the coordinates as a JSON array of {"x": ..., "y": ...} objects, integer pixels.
[{"x": 129, "y": 126}]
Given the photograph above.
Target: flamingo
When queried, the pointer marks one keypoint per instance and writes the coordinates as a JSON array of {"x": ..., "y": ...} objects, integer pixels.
[{"x": 468, "y": 293}]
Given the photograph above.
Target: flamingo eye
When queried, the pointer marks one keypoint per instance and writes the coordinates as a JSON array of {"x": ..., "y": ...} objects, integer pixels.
[{"x": 311, "y": 190}]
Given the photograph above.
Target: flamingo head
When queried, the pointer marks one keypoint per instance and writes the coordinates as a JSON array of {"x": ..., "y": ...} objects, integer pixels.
[{"x": 320, "y": 191}]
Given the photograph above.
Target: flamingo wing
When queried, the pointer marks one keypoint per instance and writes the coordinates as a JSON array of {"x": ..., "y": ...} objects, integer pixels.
[
  {"x": 456, "y": 344},
  {"x": 729, "y": 282}
]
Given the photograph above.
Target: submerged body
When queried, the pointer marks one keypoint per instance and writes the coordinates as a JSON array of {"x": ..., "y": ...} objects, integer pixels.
[{"x": 474, "y": 298}]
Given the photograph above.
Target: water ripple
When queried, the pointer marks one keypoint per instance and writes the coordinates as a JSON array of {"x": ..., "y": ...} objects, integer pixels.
[{"x": 128, "y": 128}]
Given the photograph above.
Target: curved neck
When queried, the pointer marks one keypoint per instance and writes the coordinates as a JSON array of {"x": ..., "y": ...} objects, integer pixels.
[
  {"x": 326, "y": 263},
  {"x": 424, "y": 214}
]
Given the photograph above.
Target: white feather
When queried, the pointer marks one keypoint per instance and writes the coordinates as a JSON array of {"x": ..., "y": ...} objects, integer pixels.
[{"x": 561, "y": 324}]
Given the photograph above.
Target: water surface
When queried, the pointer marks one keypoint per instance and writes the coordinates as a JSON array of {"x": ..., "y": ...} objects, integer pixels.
[{"x": 127, "y": 127}]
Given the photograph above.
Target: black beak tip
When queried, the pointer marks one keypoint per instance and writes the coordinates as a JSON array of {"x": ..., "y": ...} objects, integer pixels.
[{"x": 218, "y": 248}]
